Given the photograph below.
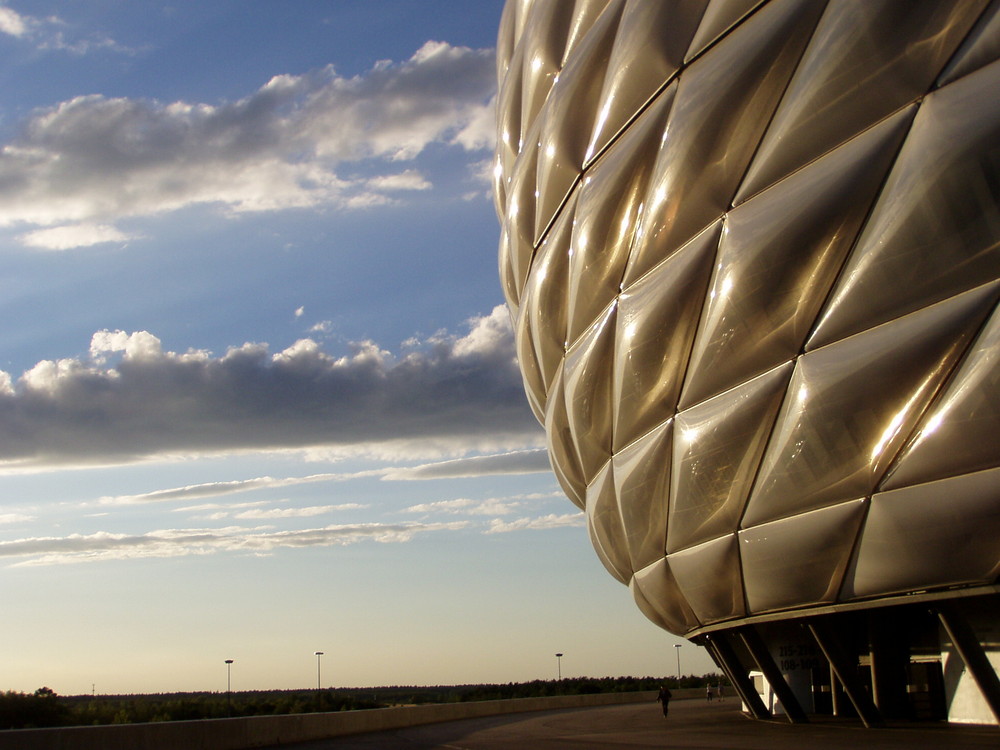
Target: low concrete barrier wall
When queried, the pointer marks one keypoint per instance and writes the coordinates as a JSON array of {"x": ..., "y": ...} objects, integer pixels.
[{"x": 264, "y": 731}]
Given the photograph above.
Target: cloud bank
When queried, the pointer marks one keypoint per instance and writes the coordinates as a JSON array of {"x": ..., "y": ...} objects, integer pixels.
[
  {"x": 130, "y": 399},
  {"x": 300, "y": 141}
]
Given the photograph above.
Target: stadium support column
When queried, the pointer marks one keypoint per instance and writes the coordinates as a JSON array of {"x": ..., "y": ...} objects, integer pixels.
[
  {"x": 889, "y": 650},
  {"x": 725, "y": 656},
  {"x": 758, "y": 650},
  {"x": 846, "y": 671},
  {"x": 969, "y": 648}
]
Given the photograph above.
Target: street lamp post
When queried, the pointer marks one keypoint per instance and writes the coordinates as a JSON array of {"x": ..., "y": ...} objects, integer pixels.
[
  {"x": 559, "y": 665},
  {"x": 677, "y": 650},
  {"x": 229, "y": 686},
  {"x": 319, "y": 681}
]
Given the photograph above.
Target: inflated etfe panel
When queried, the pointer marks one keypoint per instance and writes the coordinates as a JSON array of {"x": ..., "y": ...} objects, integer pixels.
[{"x": 751, "y": 254}]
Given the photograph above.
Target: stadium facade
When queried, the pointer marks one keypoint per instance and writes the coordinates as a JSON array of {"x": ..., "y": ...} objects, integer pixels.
[{"x": 752, "y": 255}]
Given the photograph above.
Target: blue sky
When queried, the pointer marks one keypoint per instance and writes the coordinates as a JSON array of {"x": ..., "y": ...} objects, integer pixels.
[{"x": 257, "y": 395}]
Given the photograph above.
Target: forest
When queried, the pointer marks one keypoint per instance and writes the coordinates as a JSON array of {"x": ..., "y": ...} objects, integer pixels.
[{"x": 45, "y": 708}]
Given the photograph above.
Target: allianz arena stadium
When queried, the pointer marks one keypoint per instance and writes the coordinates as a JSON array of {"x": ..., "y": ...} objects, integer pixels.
[{"x": 751, "y": 250}]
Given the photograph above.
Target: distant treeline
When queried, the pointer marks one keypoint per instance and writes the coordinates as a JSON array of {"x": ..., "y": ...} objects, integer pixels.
[{"x": 44, "y": 708}]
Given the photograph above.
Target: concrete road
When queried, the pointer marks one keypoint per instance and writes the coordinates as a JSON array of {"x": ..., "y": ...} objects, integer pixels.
[{"x": 692, "y": 725}]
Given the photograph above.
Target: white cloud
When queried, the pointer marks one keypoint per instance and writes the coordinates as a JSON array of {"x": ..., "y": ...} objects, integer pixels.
[
  {"x": 442, "y": 506},
  {"x": 299, "y": 312},
  {"x": 102, "y": 546},
  {"x": 8, "y": 518},
  {"x": 72, "y": 236},
  {"x": 408, "y": 180},
  {"x": 453, "y": 396},
  {"x": 486, "y": 333},
  {"x": 139, "y": 345},
  {"x": 93, "y": 160},
  {"x": 12, "y": 22},
  {"x": 46, "y": 376},
  {"x": 479, "y": 132},
  {"x": 550, "y": 521}
]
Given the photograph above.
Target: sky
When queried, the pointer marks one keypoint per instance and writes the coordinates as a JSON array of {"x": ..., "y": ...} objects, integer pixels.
[{"x": 258, "y": 395}]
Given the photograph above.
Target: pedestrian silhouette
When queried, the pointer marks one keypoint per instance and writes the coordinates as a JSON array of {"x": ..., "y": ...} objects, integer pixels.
[{"x": 664, "y": 698}]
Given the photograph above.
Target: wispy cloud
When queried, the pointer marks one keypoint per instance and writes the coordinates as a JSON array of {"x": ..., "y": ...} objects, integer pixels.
[
  {"x": 225, "y": 507},
  {"x": 493, "y": 506},
  {"x": 460, "y": 505},
  {"x": 11, "y": 518},
  {"x": 307, "y": 512},
  {"x": 52, "y": 33},
  {"x": 102, "y": 546},
  {"x": 219, "y": 489},
  {"x": 515, "y": 462},
  {"x": 259, "y": 540},
  {"x": 297, "y": 142},
  {"x": 465, "y": 506},
  {"x": 459, "y": 392},
  {"x": 551, "y": 521},
  {"x": 237, "y": 486},
  {"x": 260, "y": 510}
]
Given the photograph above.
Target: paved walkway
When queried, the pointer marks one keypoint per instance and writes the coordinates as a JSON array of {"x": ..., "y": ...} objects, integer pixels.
[{"x": 692, "y": 725}]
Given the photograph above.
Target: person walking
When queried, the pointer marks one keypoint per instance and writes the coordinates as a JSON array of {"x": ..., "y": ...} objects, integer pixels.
[{"x": 664, "y": 698}]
